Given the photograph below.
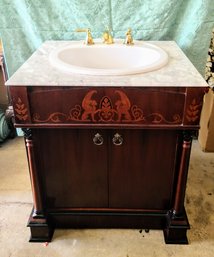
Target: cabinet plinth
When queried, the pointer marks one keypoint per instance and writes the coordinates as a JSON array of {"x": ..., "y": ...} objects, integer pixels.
[{"x": 108, "y": 157}]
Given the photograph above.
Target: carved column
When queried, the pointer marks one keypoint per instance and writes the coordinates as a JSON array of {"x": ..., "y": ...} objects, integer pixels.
[
  {"x": 182, "y": 175},
  {"x": 177, "y": 221},
  {"x": 36, "y": 189},
  {"x": 41, "y": 229}
]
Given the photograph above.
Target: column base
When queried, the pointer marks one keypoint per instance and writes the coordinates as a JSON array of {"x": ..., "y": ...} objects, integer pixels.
[
  {"x": 41, "y": 230},
  {"x": 176, "y": 228}
]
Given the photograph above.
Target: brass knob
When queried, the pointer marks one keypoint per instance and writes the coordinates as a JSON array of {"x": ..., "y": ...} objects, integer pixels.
[
  {"x": 117, "y": 139},
  {"x": 98, "y": 139}
]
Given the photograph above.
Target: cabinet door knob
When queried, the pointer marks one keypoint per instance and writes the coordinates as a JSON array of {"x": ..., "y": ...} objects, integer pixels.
[
  {"x": 117, "y": 139},
  {"x": 98, "y": 139}
]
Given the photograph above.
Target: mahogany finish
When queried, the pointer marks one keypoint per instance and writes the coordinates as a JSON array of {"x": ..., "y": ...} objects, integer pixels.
[{"x": 108, "y": 157}]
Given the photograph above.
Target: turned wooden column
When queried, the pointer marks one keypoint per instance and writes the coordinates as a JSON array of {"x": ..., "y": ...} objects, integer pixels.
[
  {"x": 182, "y": 175},
  {"x": 35, "y": 183}
]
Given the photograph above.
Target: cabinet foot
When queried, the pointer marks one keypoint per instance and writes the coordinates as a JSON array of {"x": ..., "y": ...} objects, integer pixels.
[
  {"x": 176, "y": 229},
  {"x": 41, "y": 230}
]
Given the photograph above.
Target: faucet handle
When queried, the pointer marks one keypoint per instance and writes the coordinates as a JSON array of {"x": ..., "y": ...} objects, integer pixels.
[
  {"x": 89, "y": 39},
  {"x": 107, "y": 36},
  {"x": 129, "y": 39}
]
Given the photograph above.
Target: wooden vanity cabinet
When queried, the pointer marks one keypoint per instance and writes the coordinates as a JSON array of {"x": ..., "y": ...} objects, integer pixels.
[
  {"x": 112, "y": 157},
  {"x": 95, "y": 176}
]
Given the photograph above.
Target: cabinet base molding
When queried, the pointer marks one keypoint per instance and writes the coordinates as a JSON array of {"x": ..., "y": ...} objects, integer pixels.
[{"x": 174, "y": 229}]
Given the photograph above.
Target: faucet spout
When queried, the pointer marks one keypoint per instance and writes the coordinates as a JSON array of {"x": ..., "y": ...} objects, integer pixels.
[{"x": 89, "y": 39}]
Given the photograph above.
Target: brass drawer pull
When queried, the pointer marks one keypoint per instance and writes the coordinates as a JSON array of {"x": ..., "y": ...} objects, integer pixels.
[
  {"x": 98, "y": 139},
  {"x": 117, "y": 139}
]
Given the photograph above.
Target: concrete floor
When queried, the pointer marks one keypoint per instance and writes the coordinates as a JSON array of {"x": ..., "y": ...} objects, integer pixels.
[{"x": 16, "y": 204}]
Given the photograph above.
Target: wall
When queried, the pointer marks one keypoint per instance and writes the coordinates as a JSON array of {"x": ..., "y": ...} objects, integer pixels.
[{"x": 25, "y": 24}]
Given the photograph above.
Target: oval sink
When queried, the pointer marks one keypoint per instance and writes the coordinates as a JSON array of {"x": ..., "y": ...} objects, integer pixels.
[{"x": 115, "y": 59}]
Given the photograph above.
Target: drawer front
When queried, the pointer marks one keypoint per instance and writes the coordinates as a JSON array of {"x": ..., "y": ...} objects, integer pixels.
[{"x": 105, "y": 106}]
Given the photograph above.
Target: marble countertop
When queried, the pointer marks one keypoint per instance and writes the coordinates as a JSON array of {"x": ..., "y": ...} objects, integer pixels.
[{"x": 37, "y": 71}]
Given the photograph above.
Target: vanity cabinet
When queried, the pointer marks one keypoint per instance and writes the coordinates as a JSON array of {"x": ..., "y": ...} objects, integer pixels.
[
  {"x": 108, "y": 157},
  {"x": 101, "y": 171}
]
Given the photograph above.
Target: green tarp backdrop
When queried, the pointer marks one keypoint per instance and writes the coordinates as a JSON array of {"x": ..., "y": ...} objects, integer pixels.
[{"x": 25, "y": 24}]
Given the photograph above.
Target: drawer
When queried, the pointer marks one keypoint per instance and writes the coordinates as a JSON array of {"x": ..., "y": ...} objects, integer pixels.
[{"x": 101, "y": 106}]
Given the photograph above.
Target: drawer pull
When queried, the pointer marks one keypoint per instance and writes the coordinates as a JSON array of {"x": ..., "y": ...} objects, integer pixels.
[
  {"x": 117, "y": 139},
  {"x": 98, "y": 139}
]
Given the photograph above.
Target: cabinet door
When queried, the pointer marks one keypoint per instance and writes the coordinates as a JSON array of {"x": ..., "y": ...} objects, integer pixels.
[
  {"x": 141, "y": 169},
  {"x": 72, "y": 167}
]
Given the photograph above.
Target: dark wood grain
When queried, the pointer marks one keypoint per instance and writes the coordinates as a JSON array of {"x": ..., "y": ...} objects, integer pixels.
[
  {"x": 135, "y": 178},
  {"x": 74, "y": 169},
  {"x": 142, "y": 169}
]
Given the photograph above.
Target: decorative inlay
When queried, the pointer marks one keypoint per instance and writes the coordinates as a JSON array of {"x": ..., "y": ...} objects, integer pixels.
[
  {"x": 106, "y": 110},
  {"x": 159, "y": 118},
  {"x": 193, "y": 111},
  {"x": 122, "y": 111},
  {"x": 21, "y": 110}
]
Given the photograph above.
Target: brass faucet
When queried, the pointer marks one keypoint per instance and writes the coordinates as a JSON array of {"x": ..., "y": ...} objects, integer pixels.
[
  {"x": 107, "y": 37},
  {"x": 89, "y": 39},
  {"x": 129, "y": 39}
]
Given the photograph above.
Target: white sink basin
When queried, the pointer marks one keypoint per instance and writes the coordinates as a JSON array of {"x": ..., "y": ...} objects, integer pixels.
[{"x": 115, "y": 59}]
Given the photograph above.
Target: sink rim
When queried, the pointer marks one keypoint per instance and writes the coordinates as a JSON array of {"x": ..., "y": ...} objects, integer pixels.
[{"x": 81, "y": 70}]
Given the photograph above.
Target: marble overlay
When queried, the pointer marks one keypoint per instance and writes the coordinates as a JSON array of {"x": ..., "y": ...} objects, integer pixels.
[{"x": 37, "y": 71}]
